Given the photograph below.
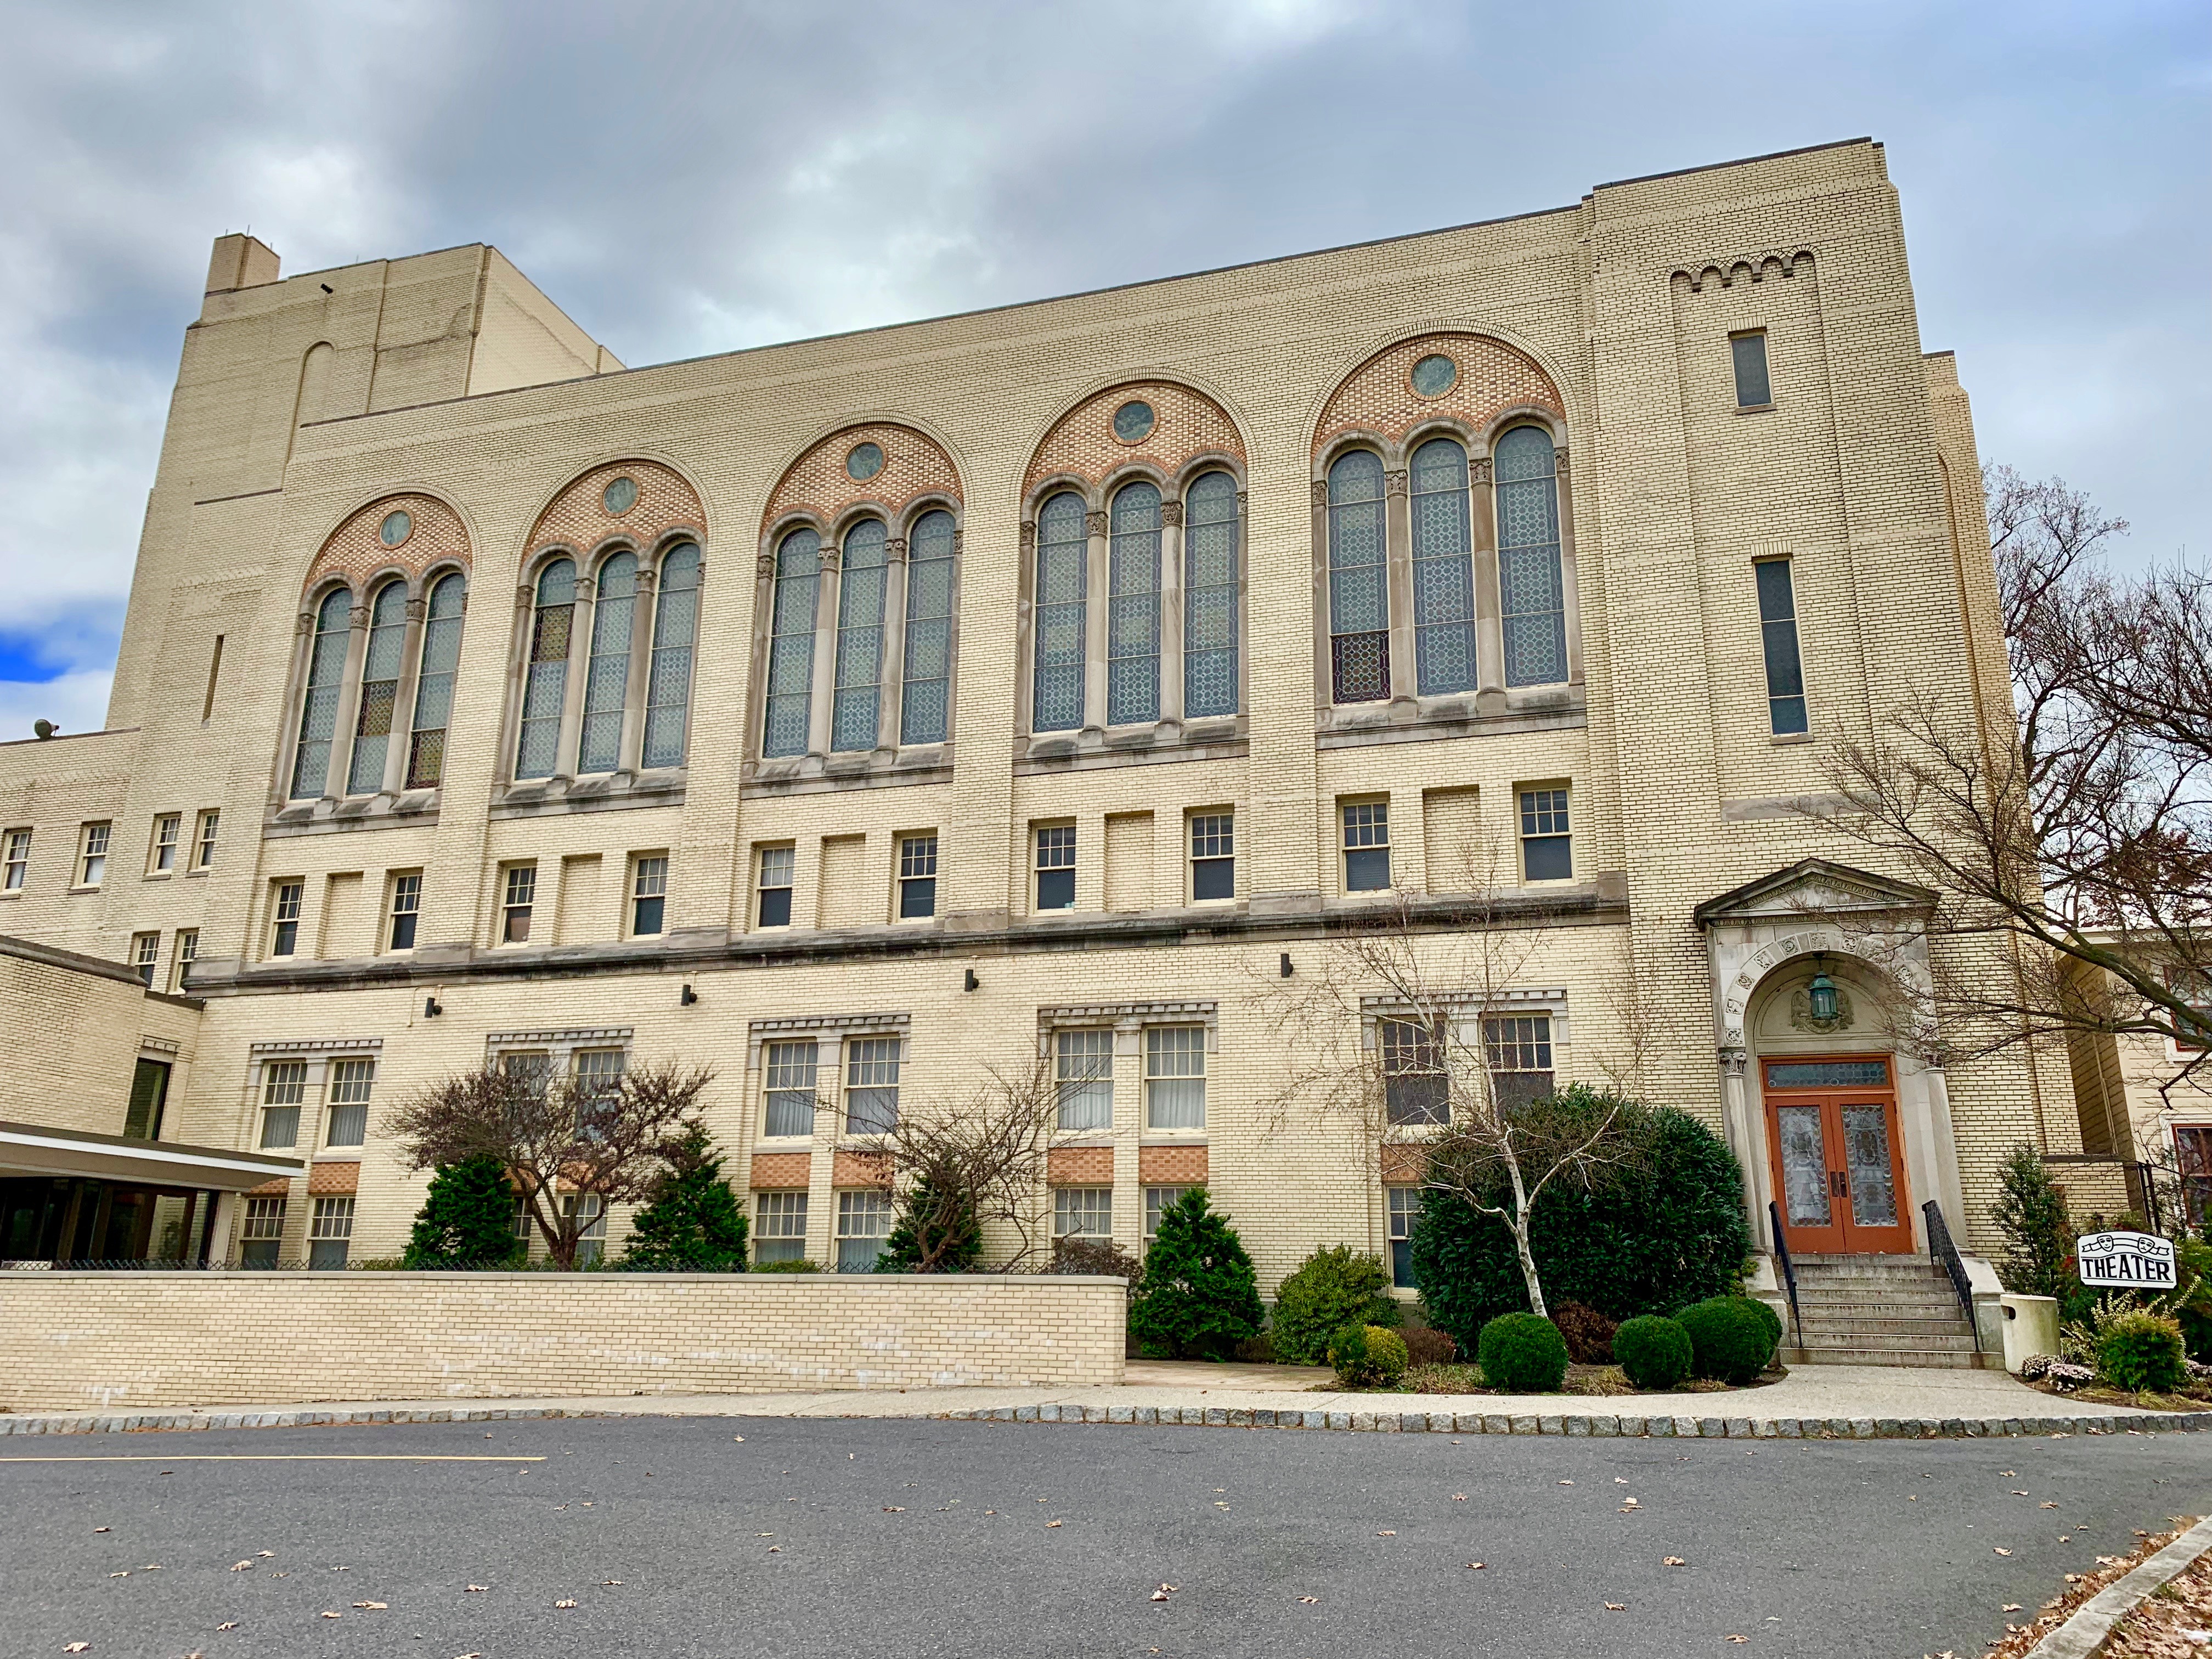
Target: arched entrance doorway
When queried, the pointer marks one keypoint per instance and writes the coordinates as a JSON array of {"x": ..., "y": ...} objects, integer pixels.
[{"x": 1836, "y": 1158}]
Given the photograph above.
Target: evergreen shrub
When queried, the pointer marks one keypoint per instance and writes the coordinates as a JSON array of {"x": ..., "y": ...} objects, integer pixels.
[
  {"x": 1333, "y": 1288},
  {"x": 2142, "y": 1351},
  {"x": 2030, "y": 1214},
  {"x": 1368, "y": 1357},
  {"x": 932, "y": 1218},
  {"x": 467, "y": 1218},
  {"x": 1729, "y": 1339},
  {"x": 1199, "y": 1296},
  {"x": 692, "y": 1222},
  {"x": 798, "y": 1265},
  {"x": 1521, "y": 1353},
  {"x": 1654, "y": 1350}
]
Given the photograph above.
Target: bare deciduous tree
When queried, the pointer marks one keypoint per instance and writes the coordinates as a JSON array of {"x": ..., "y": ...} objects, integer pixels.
[
  {"x": 608, "y": 1138},
  {"x": 981, "y": 1159}
]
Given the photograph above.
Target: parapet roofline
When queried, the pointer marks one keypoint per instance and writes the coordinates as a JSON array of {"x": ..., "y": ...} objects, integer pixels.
[{"x": 1079, "y": 294}]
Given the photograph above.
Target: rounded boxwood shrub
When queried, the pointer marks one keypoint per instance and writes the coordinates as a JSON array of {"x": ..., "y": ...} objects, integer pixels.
[
  {"x": 1664, "y": 1227},
  {"x": 1654, "y": 1350},
  {"x": 2142, "y": 1351},
  {"x": 1368, "y": 1357},
  {"x": 1521, "y": 1353},
  {"x": 1772, "y": 1321},
  {"x": 1331, "y": 1288},
  {"x": 1729, "y": 1340}
]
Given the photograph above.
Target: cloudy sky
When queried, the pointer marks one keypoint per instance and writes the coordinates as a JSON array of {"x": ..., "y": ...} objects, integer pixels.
[{"x": 686, "y": 178}]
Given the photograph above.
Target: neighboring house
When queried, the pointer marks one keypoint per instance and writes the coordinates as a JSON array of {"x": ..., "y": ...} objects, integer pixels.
[
  {"x": 1048, "y": 681},
  {"x": 2144, "y": 1108}
]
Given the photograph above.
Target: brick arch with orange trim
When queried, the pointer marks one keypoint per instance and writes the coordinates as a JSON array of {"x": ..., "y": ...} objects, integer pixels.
[
  {"x": 1378, "y": 397},
  {"x": 914, "y": 465},
  {"x": 1186, "y": 424},
  {"x": 355, "y": 549},
  {"x": 578, "y": 516}
]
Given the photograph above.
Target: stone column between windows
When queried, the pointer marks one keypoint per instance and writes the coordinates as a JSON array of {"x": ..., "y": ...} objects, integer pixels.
[
  {"x": 822, "y": 693},
  {"x": 1569, "y": 585},
  {"x": 402, "y": 702},
  {"x": 1171, "y": 620},
  {"x": 643, "y": 614},
  {"x": 348, "y": 714},
  {"x": 891, "y": 669},
  {"x": 1128, "y": 1137},
  {"x": 1095, "y": 603},
  {"x": 580, "y": 618},
  {"x": 1489, "y": 605},
  {"x": 1398, "y": 571},
  {"x": 822, "y": 1165}
]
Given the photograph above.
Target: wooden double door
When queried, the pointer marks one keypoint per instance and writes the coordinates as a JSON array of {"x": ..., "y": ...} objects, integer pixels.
[{"x": 1838, "y": 1168}]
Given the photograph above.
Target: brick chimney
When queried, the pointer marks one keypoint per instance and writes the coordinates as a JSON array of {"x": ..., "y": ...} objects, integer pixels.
[{"x": 240, "y": 261}]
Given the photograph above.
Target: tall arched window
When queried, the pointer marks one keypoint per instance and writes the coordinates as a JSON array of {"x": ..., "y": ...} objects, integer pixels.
[
  {"x": 924, "y": 696},
  {"x": 434, "y": 683},
  {"x": 854, "y": 716},
  {"x": 318, "y": 708},
  {"x": 379, "y": 688},
  {"x": 606, "y": 682},
  {"x": 545, "y": 682},
  {"x": 675, "y": 629},
  {"x": 1358, "y": 593},
  {"x": 791, "y": 643},
  {"x": 1210, "y": 560},
  {"x": 1133, "y": 612},
  {"x": 1532, "y": 591},
  {"x": 1062, "y": 614},
  {"x": 1444, "y": 570}
]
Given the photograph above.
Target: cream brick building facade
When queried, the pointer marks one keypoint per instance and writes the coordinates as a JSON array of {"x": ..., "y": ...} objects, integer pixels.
[{"x": 1261, "y": 653}]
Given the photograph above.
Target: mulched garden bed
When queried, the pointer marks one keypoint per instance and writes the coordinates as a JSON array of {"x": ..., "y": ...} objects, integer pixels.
[
  {"x": 2158, "y": 1630},
  {"x": 1594, "y": 1380},
  {"x": 2193, "y": 1399}
]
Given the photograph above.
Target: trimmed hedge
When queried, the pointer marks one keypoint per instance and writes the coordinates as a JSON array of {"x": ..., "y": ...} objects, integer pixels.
[
  {"x": 1654, "y": 1352},
  {"x": 1333, "y": 1288},
  {"x": 1665, "y": 1232},
  {"x": 1521, "y": 1353},
  {"x": 1368, "y": 1357},
  {"x": 1729, "y": 1339},
  {"x": 2142, "y": 1351}
]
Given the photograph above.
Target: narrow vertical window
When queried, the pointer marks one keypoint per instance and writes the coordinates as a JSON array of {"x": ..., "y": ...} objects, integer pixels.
[
  {"x": 606, "y": 682},
  {"x": 352, "y": 1082},
  {"x": 871, "y": 1085},
  {"x": 1175, "y": 1077},
  {"x": 215, "y": 676},
  {"x": 917, "y": 876},
  {"x": 854, "y": 712},
  {"x": 1547, "y": 848},
  {"x": 379, "y": 688},
  {"x": 1405, "y": 1211},
  {"x": 15, "y": 863},
  {"x": 186, "y": 953},
  {"x": 284, "y": 918},
  {"x": 283, "y": 1087},
  {"x": 772, "y": 907},
  {"x": 434, "y": 683},
  {"x": 1518, "y": 1050},
  {"x": 1414, "y": 1091},
  {"x": 203, "y": 844},
  {"x": 406, "y": 910},
  {"x": 925, "y": 699},
  {"x": 92, "y": 864},
  {"x": 263, "y": 1235},
  {"x": 781, "y": 1235},
  {"x": 791, "y": 644},
  {"x": 648, "y": 896},
  {"x": 864, "y": 1221},
  {"x": 319, "y": 707},
  {"x": 1359, "y": 592},
  {"x": 789, "y": 1068},
  {"x": 1062, "y": 562},
  {"x": 1531, "y": 586},
  {"x": 150, "y": 1093},
  {"x": 1055, "y": 867},
  {"x": 1082, "y": 1070},
  {"x": 545, "y": 685},
  {"x": 167, "y": 830},
  {"x": 1444, "y": 570},
  {"x": 592, "y": 1237},
  {"x": 1213, "y": 856},
  {"x": 330, "y": 1233},
  {"x": 517, "y": 902},
  {"x": 145, "y": 956},
  {"x": 1132, "y": 613},
  {"x": 1749, "y": 352},
  {"x": 1366, "y": 846},
  {"x": 1778, "y": 629},
  {"x": 1210, "y": 561},
  {"x": 675, "y": 631}
]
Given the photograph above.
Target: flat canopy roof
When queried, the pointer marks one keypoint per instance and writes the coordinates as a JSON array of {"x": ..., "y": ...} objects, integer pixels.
[{"x": 34, "y": 1149}]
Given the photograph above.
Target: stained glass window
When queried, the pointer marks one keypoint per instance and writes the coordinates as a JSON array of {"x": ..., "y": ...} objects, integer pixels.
[
  {"x": 791, "y": 644},
  {"x": 1359, "y": 596},
  {"x": 1210, "y": 560},
  {"x": 318, "y": 709},
  {"x": 433, "y": 683},
  {"x": 546, "y": 682},
  {"x": 379, "y": 688},
  {"x": 925, "y": 697},
  {"x": 1434, "y": 375},
  {"x": 668, "y": 679},
  {"x": 606, "y": 685},
  {"x": 853, "y": 715},
  {"x": 1531, "y": 585},
  {"x": 1444, "y": 570},
  {"x": 1827, "y": 1074},
  {"x": 1778, "y": 630},
  {"x": 1132, "y": 615},
  {"x": 1061, "y": 558}
]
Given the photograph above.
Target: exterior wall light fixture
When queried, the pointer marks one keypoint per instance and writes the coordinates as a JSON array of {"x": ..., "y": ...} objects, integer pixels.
[
  {"x": 1822, "y": 1002},
  {"x": 689, "y": 997},
  {"x": 971, "y": 983},
  {"x": 431, "y": 1008}
]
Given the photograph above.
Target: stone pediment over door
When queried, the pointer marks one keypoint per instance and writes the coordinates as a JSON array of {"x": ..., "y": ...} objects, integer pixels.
[{"x": 1809, "y": 888}]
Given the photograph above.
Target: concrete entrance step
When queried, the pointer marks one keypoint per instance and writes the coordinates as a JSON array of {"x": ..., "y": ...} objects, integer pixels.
[
  {"x": 1940, "y": 1360},
  {"x": 1860, "y": 1323},
  {"x": 1884, "y": 1342}
]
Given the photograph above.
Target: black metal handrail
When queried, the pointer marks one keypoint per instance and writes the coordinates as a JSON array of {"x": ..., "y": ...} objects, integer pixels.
[
  {"x": 1945, "y": 1255},
  {"x": 1789, "y": 1273}
]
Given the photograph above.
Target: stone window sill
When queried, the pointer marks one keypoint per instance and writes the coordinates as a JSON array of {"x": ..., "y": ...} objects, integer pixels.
[
  {"x": 411, "y": 806},
  {"x": 1218, "y": 737},
  {"x": 873, "y": 769},
  {"x": 599, "y": 792},
  {"x": 1755, "y": 409},
  {"x": 1485, "y": 714}
]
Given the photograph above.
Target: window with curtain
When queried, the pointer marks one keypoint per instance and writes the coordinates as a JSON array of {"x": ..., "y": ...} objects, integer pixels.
[
  {"x": 606, "y": 681},
  {"x": 1062, "y": 558},
  {"x": 1132, "y": 615},
  {"x": 1083, "y": 1069},
  {"x": 924, "y": 698},
  {"x": 318, "y": 708},
  {"x": 791, "y": 644},
  {"x": 1532, "y": 589},
  {"x": 545, "y": 678},
  {"x": 1444, "y": 570},
  {"x": 379, "y": 688},
  {"x": 1211, "y": 557},
  {"x": 1359, "y": 588},
  {"x": 675, "y": 631},
  {"x": 1175, "y": 1077},
  {"x": 1414, "y": 1090},
  {"x": 871, "y": 1085},
  {"x": 853, "y": 712},
  {"x": 433, "y": 682},
  {"x": 790, "y": 1087}
]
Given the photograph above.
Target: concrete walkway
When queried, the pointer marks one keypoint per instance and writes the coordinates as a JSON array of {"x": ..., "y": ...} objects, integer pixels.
[{"x": 1850, "y": 1401}]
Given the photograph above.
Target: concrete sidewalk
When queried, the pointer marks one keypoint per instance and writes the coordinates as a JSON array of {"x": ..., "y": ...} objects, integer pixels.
[{"x": 1840, "y": 1402}]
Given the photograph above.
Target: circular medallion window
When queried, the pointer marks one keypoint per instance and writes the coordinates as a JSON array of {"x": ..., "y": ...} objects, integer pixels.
[
  {"x": 1434, "y": 375},
  {"x": 620, "y": 496},
  {"x": 396, "y": 528},
  {"x": 865, "y": 462},
  {"x": 1133, "y": 421}
]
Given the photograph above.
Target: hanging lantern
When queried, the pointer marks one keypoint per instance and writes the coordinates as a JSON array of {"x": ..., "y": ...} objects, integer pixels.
[{"x": 1822, "y": 1000}]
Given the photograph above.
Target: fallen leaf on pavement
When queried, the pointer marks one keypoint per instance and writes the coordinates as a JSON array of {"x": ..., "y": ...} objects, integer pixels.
[
  {"x": 1616, "y": 1607},
  {"x": 2010, "y": 1606},
  {"x": 480, "y": 1587},
  {"x": 77, "y": 1647},
  {"x": 569, "y": 1603},
  {"x": 2002, "y": 1551},
  {"x": 327, "y": 1615},
  {"x": 1735, "y": 1639},
  {"x": 610, "y": 1583},
  {"x": 1459, "y": 1497},
  {"x": 1386, "y": 1535},
  {"x": 893, "y": 1508},
  {"x": 1052, "y": 1523},
  {"x": 378, "y": 1607},
  {"x": 241, "y": 1566},
  {"x": 265, "y": 1555},
  {"x": 736, "y": 1437},
  {"x": 2047, "y": 1506},
  {"x": 2022, "y": 1494},
  {"x": 1674, "y": 1561},
  {"x": 228, "y": 1624},
  {"x": 1310, "y": 1601},
  {"x": 775, "y": 1549},
  {"x": 1476, "y": 1566},
  {"x": 1566, "y": 1483},
  {"x": 1619, "y": 1482},
  {"x": 119, "y": 1575},
  {"x": 100, "y": 1530}
]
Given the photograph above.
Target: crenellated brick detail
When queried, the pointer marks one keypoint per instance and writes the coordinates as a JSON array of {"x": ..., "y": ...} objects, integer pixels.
[
  {"x": 1186, "y": 424},
  {"x": 1080, "y": 1166},
  {"x": 1171, "y": 1166},
  {"x": 915, "y": 466},
  {"x": 1378, "y": 397},
  {"x": 355, "y": 549},
  {"x": 578, "y": 517}
]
